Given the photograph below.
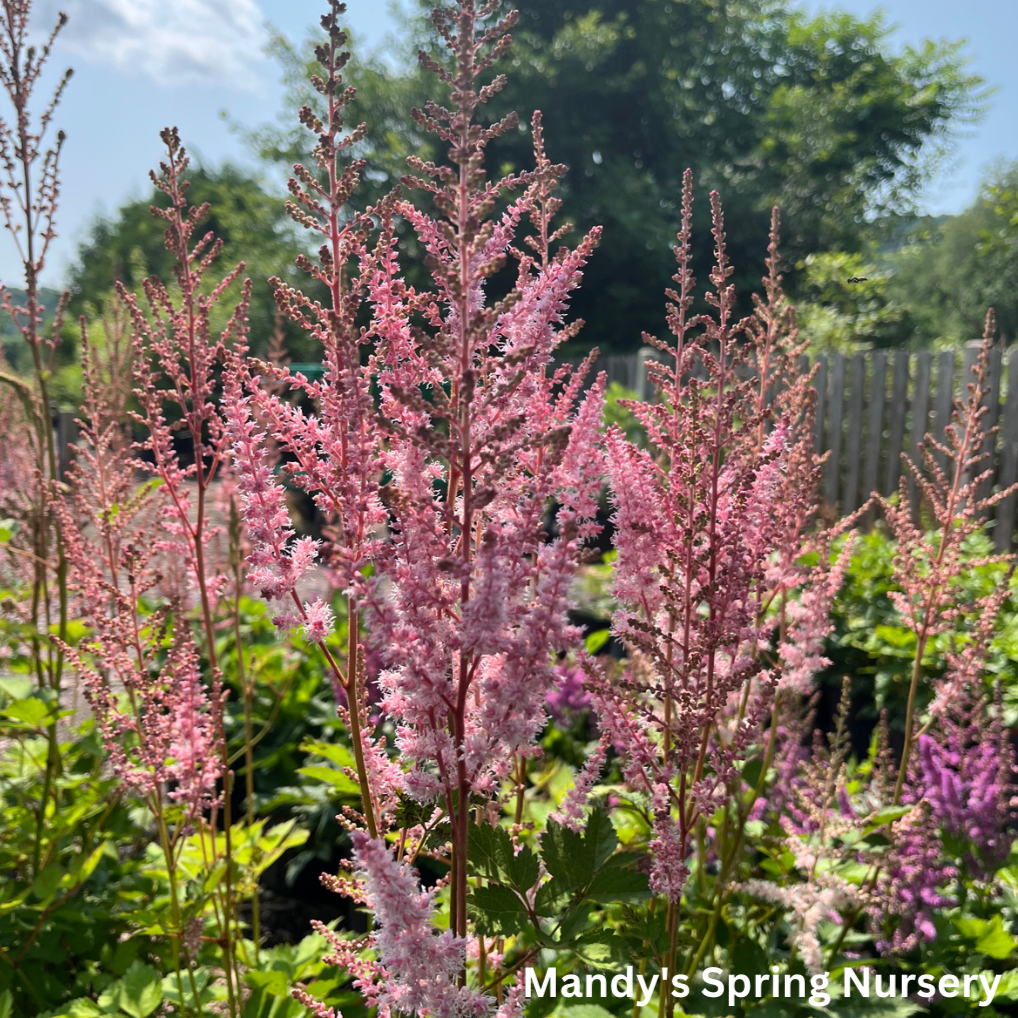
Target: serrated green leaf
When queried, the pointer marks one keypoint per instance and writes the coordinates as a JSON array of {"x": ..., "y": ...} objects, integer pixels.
[
  {"x": 552, "y": 897},
  {"x": 411, "y": 814},
  {"x": 82, "y": 1008},
  {"x": 138, "y": 994},
  {"x": 1007, "y": 989},
  {"x": 87, "y": 868},
  {"x": 30, "y": 711},
  {"x": 141, "y": 990},
  {"x": 499, "y": 911},
  {"x": 996, "y": 942},
  {"x": 493, "y": 855},
  {"x": 574, "y": 923},
  {"x": 572, "y": 857},
  {"x": 617, "y": 882}
]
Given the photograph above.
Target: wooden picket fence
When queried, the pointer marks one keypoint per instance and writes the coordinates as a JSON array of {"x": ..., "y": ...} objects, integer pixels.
[{"x": 873, "y": 406}]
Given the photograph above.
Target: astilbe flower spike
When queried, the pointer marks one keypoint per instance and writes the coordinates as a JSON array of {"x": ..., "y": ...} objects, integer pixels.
[
  {"x": 482, "y": 434},
  {"x": 178, "y": 355},
  {"x": 816, "y": 817},
  {"x": 419, "y": 965},
  {"x": 477, "y": 433},
  {"x": 332, "y": 453},
  {"x": 710, "y": 522},
  {"x": 929, "y": 567}
]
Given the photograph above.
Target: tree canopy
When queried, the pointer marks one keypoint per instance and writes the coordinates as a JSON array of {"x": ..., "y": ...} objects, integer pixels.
[{"x": 818, "y": 115}]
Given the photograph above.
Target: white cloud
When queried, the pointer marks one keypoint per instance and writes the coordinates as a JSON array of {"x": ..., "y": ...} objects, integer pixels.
[{"x": 171, "y": 41}]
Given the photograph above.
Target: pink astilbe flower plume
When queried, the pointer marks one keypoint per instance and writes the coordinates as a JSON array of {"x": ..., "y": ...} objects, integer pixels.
[
  {"x": 333, "y": 450},
  {"x": 420, "y": 965},
  {"x": 482, "y": 435},
  {"x": 475, "y": 434},
  {"x": 710, "y": 522},
  {"x": 930, "y": 567},
  {"x": 153, "y": 708}
]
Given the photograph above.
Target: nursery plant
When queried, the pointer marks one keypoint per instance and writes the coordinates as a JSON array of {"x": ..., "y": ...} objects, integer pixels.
[{"x": 522, "y": 821}]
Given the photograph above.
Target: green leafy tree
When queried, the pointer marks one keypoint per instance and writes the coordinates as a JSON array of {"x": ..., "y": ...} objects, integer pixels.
[
  {"x": 952, "y": 270},
  {"x": 766, "y": 104},
  {"x": 841, "y": 315}
]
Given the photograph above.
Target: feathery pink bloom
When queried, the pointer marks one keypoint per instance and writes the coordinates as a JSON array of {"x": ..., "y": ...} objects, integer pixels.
[{"x": 421, "y": 965}]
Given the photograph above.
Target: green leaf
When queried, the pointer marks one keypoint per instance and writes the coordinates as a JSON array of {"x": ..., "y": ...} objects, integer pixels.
[
  {"x": 995, "y": 941},
  {"x": 8, "y": 528},
  {"x": 586, "y": 1011},
  {"x": 340, "y": 782},
  {"x": 751, "y": 771},
  {"x": 87, "y": 868},
  {"x": 618, "y": 882},
  {"x": 82, "y": 1008},
  {"x": 30, "y": 711},
  {"x": 552, "y": 897},
  {"x": 15, "y": 687},
  {"x": 411, "y": 814},
  {"x": 596, "y": 640},
  {"x": 572, "y": 857},
  {"x": 899, "y": 1007},
  {"x": 883, "y": 816},
  {"x": 499, "y": 911},
  {"x": 336, "y": 753},
  {"x": 47, "y": 882},
  {"x": 1007, "y": 990},
  {"x": 493, "y": 855},
  {"x": 574, "y": 923},
  {"x": 6, "y": 1004},
  {"x": 171, "y": 992},
  {"x": 490, "y": 849},
  {"x": 139, "y": 993},
  {"x": 748, "y": 957},
  {"x": 215, "y": 875}
]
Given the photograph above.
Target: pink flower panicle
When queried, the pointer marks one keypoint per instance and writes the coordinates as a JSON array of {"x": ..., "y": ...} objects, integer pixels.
[
  {"x": 572, "y": 812},
  {"x": 481, "y": 436},
  {"x": 809, "y": 622},
  {"x": 277, "y": 560},
  {"x": 709, "y": 525},
  {"x": 421, "y": 965}
]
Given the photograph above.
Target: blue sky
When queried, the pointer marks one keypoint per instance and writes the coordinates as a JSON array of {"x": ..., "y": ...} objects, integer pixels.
[{"x": 143, "y": 64}]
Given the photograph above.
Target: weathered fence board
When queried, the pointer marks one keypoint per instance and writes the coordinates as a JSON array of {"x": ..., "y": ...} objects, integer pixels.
[
  {"x": 875, "y": 424},
  {"x": 898, "y": 411}
]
